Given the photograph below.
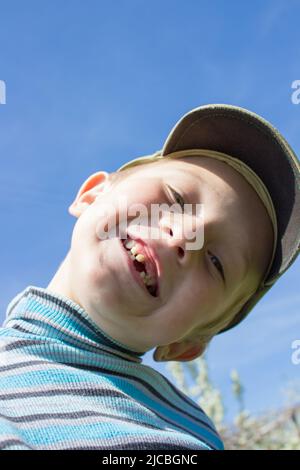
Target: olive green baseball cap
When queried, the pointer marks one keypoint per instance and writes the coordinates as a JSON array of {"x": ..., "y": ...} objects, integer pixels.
[{"x": 248, "y": 137}]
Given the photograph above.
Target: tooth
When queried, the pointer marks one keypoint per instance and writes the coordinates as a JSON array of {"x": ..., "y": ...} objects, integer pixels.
[
  {"x": 132, "y": 257},
  {"x": 147, "y": 281},
  {"x": 134, "y": 250},
  {"x": 150, "y": 281},
  {"x": 140, "y": 258},
  {"x": 144, "y": 277},
  {"x": 129, "y": 244}
]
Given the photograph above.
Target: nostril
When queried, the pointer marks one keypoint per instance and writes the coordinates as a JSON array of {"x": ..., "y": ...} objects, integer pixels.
[{"x": 180, "y": 252}]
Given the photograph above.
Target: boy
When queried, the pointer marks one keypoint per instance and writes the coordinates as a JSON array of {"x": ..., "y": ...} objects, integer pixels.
[{"x": 71, "y": 372}]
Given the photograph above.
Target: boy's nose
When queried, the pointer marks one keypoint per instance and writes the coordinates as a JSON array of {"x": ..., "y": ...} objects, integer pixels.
[{"x": 184, "y": 234}]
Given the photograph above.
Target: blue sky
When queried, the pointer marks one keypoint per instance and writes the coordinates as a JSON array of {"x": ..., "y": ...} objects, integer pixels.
[{"x": 91, "y": 85}]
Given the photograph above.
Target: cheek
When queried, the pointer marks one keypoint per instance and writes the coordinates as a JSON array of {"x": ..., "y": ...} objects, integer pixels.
[
  {"x": 195, "y": 302},
  {"x": 84, "y": 262},
  {"x": 87, "y": 257},
  {"x": 83, "y": 233},
  {"x": 186, "y": 304}
]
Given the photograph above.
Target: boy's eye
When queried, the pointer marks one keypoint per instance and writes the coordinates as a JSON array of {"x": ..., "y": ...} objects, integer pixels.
[
  {"x": 218, "y": 266},
  {"x": 178, "y": 198}
]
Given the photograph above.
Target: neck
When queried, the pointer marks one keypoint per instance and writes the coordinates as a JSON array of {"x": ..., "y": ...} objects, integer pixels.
[
  {"x": 59, "y": 284},
  {"x": 39, "y": 313}
]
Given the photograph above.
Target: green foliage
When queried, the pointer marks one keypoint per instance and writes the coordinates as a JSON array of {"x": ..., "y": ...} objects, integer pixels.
[{"x": 274, "y": 430}]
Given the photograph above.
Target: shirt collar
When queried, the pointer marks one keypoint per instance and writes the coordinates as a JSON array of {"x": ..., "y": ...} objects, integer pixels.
[{"x": 39, "y": 311}]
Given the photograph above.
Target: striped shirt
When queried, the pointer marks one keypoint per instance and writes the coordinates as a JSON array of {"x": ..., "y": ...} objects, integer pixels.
[{"x": 66, "y": 384}]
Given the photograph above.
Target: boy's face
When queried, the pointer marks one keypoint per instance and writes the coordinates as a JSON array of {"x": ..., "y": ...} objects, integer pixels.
[{"x": 237, "y": 230}]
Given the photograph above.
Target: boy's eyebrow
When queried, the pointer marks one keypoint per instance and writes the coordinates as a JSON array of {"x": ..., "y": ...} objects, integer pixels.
[{"x": 200, "y": 179}]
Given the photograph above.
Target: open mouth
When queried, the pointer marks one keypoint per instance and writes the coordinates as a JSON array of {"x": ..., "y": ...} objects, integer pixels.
[{"x": 142, "y": 264}]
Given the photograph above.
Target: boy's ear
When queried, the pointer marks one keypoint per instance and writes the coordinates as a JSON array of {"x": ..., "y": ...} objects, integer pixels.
[
  {"x": 89, "y": 190},
  {"x": 186, "y": 350}
]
